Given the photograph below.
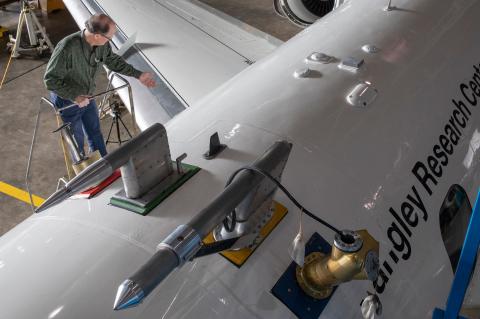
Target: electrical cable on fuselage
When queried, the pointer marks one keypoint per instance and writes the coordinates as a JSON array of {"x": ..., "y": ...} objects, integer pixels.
[{"x": 231, "y": 219}]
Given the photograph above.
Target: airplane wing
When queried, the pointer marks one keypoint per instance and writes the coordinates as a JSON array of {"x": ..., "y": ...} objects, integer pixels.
[{"x": 191, "y": 47}]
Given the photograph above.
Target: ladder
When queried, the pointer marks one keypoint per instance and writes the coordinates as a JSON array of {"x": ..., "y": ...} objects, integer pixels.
[{"x": 66, "y": 150}]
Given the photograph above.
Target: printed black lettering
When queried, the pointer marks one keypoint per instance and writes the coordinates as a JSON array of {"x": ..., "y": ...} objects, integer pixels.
[
  {"x": 437, "y": 151},
  {"x": 445, "y": 142},
  {"x": 428, "y": 172},
  {"x": 387, "y": 268},
  {"x": 451, "y": 133},
  {"x": 476, "y": 75},
  {"x": 423, "y": 176},
  {"x": 475, "y": 88},
  {"x": 417, "y": 201},
  {"x": 434, "y": 167},
  {"x": 409, "y": 214},
  {"x": 454, "y": 125},
  {"x": 381, "y": 281},
  {"x": 463, "y": 123},
  {"x": 400, "y": 221},
  {"x": 393, "y": 256},
  {"x": 471, "y": 98},
  {"x": 462, "y": 108},
  {"x": 399, "y": 241}
]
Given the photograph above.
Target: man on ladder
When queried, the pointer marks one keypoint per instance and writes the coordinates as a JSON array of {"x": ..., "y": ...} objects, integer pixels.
[{"x": 71, "y": 72}]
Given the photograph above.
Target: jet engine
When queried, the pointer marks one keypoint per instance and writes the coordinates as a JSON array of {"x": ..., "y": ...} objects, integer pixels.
[{"x": 305, "y": 12}]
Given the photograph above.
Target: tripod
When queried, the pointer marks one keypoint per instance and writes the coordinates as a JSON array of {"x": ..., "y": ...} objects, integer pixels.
[{"x": 117, "y": 121}]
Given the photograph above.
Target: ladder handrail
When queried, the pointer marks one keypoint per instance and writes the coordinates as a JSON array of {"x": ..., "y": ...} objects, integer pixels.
[
  {"x": 69, "y": 106},
  {"x": 46, "y": 101},
  {"x": 111, "y": 77}
]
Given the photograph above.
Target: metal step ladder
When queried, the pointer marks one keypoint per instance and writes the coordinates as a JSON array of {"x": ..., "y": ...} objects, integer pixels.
[{"x": 67, "y": 139}]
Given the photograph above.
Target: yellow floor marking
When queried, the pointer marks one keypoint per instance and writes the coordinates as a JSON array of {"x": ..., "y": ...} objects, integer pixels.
[{"x": 20, "y": 194}]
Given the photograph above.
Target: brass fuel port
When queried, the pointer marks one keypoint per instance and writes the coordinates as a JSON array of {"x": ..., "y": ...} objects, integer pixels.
[{"x": 354, "y": 256}]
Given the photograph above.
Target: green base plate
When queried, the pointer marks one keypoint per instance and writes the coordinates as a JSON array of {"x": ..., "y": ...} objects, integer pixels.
[{"x": 153, "y": 198}]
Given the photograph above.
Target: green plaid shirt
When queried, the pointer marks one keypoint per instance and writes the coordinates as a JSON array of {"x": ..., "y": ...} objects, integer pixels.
[{"x": 74, "y": 65}]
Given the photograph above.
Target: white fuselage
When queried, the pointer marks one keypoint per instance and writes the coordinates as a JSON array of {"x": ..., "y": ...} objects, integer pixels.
[{"x": 349, "y": 165}]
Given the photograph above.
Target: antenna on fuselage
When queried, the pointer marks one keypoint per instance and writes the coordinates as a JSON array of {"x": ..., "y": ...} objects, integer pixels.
[{"x": 389, "y": 6}]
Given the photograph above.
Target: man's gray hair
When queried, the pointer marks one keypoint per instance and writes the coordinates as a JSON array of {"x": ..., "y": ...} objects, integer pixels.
[{"x": 99, "y": 23}]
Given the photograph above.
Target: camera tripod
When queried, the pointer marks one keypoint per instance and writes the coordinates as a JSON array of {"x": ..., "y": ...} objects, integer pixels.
[{"x": 117, "y": 121}]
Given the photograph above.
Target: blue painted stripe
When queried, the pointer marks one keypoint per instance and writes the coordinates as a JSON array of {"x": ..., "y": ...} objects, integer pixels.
[{"x": 465, "y": 267}]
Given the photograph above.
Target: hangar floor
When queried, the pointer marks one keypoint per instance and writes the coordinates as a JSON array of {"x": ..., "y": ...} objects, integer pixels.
[{"x": 23, "y": 88}]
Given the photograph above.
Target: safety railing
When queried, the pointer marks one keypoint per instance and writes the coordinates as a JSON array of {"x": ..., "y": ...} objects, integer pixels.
[
  {"x": 126, "y": 84},
  {"x": 45, "y": 101}
]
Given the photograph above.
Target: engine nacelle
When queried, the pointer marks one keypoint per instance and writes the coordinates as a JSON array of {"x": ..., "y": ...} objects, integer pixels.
[{"x": 305, "y": 12}]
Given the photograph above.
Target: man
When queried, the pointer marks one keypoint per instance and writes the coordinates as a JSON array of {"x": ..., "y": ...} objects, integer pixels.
[{"x": 71, "y": 73}]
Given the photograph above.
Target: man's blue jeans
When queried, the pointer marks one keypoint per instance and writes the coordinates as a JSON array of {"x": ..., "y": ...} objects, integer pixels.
[{"x": 83, "y": 120}]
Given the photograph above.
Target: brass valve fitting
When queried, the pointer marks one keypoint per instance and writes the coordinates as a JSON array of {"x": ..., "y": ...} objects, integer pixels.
[{"x": 354, "y": 256}]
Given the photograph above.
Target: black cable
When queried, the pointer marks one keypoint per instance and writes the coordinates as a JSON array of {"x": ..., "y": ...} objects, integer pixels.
[
  {"x": 287, "y": 193},
  {"x": 216, "y": 247},
  {"x": 26, "y": 72}
]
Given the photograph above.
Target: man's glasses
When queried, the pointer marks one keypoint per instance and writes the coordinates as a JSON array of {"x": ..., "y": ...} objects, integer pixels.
[{"x": 103, "y": 35}]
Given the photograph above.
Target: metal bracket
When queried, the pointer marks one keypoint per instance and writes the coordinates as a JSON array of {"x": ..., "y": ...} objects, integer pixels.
[
  {"x": 60, "y": 181},
  {"x": 254, "y": 210},
  {"x": 178, "y": 161},
  {"x": 147, "y": 166}
]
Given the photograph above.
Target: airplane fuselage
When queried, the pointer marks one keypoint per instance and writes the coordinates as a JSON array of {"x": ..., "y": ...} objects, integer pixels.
[{"x": 385, "y": 166}]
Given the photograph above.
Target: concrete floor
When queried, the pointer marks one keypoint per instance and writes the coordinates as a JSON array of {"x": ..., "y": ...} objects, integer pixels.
[
  {"x": 19, "y": 100},
  {"x": 23, "y": 88}
]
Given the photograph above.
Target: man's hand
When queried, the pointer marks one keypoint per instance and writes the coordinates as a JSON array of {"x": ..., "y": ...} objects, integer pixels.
[
  {"x": 147, "y": 79},
  {"x": 82, "y": 100}
]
